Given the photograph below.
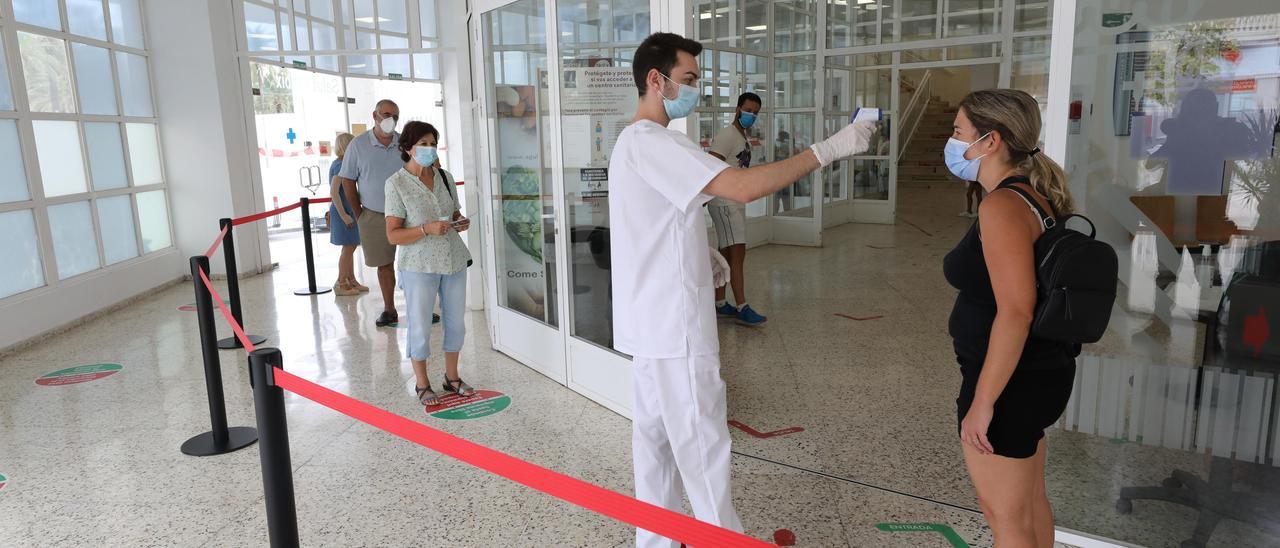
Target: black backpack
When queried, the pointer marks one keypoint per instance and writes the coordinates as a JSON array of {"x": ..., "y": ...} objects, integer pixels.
[{"x": 1076, "y": 278}]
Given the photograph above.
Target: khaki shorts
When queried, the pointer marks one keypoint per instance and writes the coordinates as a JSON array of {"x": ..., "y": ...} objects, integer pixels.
[{"x": 373, "y": 239}]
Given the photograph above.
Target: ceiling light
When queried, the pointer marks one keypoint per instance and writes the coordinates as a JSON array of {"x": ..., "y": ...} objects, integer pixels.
[
  {"x": 262, "y": 36},
  {"x": 361, "y": 65},
  {"x": 865, "y": 2},
  {"x": 369, "y": 20},
  {"x": 758, "y": 27}
]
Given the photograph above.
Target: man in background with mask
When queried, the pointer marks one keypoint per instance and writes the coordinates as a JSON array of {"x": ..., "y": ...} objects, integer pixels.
[
  {"x": 664, "y": 276},
  {"x": 371, "y": 159},
  {"x": 733, "y": 145}
]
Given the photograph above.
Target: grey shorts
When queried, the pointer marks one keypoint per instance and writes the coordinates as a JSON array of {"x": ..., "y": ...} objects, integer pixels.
[
  {"x": 373, "y": 239},
  {"x": 730, "y": 222}
]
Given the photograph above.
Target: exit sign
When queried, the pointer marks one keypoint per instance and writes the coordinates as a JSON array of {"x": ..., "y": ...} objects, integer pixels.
[
  {"x": 395, "y": 76},
  {"x": 300, "y": 64}
]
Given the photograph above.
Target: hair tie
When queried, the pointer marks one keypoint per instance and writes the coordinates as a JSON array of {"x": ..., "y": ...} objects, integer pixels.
[{"x": 1033, "y": 152}]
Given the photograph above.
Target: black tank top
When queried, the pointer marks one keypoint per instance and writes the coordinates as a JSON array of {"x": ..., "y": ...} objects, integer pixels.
[{"x": 965, "y": 268}]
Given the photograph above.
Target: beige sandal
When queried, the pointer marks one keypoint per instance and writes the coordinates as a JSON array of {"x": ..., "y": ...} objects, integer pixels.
[
  {"x": 357, "y": 285},
  {"x": 343, "y": 289}
]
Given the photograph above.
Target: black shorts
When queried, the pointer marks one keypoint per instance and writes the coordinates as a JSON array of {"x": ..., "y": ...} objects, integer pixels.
[{"x": 1032, "y": 401}]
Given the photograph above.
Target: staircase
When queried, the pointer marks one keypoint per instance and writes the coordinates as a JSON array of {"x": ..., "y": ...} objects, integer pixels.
[{"x": 921, "y": 165}]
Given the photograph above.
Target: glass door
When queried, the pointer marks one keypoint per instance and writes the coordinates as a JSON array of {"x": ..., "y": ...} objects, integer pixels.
[
  {"x": 596, "y": 96},
  {"x": 519, "y": 190},
  {"x": 297, "y": 119}
]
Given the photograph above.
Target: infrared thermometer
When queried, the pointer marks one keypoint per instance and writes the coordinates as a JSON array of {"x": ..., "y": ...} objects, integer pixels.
[{"x": 865, "y": 113}]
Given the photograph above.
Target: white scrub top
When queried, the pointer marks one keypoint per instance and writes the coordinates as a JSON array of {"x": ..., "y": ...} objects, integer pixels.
[{"x": 663, "y": 297}]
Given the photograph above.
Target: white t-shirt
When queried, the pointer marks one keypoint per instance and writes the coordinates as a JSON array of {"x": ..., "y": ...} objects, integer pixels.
[
  {"x": 731, "y": 144},
  {"x": 663, "y": 298}
]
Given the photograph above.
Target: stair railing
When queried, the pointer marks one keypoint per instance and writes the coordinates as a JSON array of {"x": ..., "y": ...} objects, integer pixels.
[{"x": 914, "y": 113}]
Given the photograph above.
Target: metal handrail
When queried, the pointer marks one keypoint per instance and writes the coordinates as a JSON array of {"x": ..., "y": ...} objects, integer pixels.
[{"x": 912, "y": 116}]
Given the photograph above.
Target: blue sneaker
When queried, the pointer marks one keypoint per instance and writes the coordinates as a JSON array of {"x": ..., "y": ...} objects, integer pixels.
[
  {"x": 748, "y": 317},
  {"x": 727, "y": 311}
]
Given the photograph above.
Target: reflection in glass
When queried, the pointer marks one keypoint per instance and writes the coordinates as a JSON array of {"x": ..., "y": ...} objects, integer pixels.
[
  {"x": 48, "y": 74},
  {"x": 1174, "y": 159},
  {"x": 86, "y": 18},
  {"x": 794, "y": 134},
  {"x": 21, "y": 270},
  {"x": 106, "y": 155},
  {"x": 126, "y": 22},
  {"x": 93, "y": 80}
]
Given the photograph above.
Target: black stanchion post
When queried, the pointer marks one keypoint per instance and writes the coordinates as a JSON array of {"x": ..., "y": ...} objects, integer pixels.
[
  {"x": 233, "y": 288},
  {"x": 277, "y": 471},
  {"x": 311, "y": 260},
  {"x": 220, "y": 439}
]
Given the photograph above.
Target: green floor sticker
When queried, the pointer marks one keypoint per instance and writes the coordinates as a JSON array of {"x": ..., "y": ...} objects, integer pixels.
[
  {"x": 482, "y": 404},
  {"x": 946, "y": 531},
  {"x": 79, "y": 374},
  {"x": 3, "y": 481}
]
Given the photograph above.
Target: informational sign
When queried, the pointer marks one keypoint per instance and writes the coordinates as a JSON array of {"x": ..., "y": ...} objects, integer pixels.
[
  {"x": 395, "y": 76},
  {"x": 595, "y": 182},
  {"x": 300, "y": 64},
  {"x": 79, "y": 374},
  {"x": 1113, "y": 20},
  {"x": 597, "y": 103},
  {"x": 324, "y": 148},
  {"x": 483, "y": 404}
]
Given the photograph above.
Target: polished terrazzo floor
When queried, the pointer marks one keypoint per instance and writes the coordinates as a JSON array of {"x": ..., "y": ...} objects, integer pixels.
[{"x": 98, "y": 463}]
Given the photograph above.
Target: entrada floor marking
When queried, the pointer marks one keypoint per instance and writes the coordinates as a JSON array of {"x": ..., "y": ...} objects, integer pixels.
[
  {"x": 765, "y": 435},
  {"x": 79, "y": 374},
  {"x": 483, "y": 404},
  {"x": 945, "y": 530},
  {"x": 858, "y": 318}
]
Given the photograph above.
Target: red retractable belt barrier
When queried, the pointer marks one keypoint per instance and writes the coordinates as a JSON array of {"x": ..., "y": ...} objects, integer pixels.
[{"x": 647, "y": 516}]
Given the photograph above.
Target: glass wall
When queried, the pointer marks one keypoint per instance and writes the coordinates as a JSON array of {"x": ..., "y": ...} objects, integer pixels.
[
  {"x": 1172, "y": 151},
  {"x": 82, "y": 186}
]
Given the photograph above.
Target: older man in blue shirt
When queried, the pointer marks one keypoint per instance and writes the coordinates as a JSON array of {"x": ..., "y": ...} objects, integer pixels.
[{"x": 371, "y": 159}]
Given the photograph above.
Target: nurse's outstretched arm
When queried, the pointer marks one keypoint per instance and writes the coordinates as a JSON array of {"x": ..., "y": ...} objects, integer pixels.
[{"x": 747, "y": 185}]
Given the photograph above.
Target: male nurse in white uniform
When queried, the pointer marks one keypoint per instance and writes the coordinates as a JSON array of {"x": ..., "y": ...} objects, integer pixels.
[{"x": 663, "y": 271}]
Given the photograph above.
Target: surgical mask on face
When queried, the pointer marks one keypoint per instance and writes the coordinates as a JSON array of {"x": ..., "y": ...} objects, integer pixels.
[
  {"x": 387, "y": 125},
  {"x": 954, "y": 155},
  {"x": 747, "y": 119},
  {"x": 684, "y": 103},
  {"x": 425, "y": 156}
]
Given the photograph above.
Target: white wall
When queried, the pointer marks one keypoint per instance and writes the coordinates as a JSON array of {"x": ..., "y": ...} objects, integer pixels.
[{"x": 202, "y": 120}]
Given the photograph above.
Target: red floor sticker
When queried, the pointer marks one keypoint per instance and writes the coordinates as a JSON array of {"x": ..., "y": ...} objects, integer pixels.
[
  {"x": 79, "y": 374},
  {"x": 482, "y": 404},
  {"x": 3, "y": 481},
  {"x": 859, "y": 318},
  {"x": 765, "y": 435},
  {"x": 784, "y": 537}
]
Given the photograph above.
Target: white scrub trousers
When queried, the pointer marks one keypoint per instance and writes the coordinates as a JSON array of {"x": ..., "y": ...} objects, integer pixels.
[{"x": 680, "y": 437}]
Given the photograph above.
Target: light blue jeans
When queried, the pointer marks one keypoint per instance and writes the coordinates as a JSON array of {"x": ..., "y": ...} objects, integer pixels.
[{"x": 420, "y": 291}]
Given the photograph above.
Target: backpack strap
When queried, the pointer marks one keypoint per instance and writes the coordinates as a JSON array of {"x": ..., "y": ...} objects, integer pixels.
[{"x": 1046, "y": 221}]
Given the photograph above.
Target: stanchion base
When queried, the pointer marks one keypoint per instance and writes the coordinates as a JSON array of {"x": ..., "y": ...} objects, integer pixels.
[
  {"x": 320, "y": 290},
  {"x": 232, "y": 343},
  {"x": 238, "y": 437}
]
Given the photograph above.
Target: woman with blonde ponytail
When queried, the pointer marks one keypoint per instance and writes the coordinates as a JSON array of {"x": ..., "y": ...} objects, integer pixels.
[{"x": 1014, "y": 385}]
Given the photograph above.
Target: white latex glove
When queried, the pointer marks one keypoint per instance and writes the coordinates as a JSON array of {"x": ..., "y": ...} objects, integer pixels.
[
  {"x": 853, "y": 139},
  {"x": 719, "y": 268}
]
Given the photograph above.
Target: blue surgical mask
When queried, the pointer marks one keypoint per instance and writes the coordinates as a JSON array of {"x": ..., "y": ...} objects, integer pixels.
[
  {"x": 746, "y": 120},
  {"x": 684, "y": 103},
  {"x": 425, "y": 156},
  {"x": 956, "y": 162}
]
